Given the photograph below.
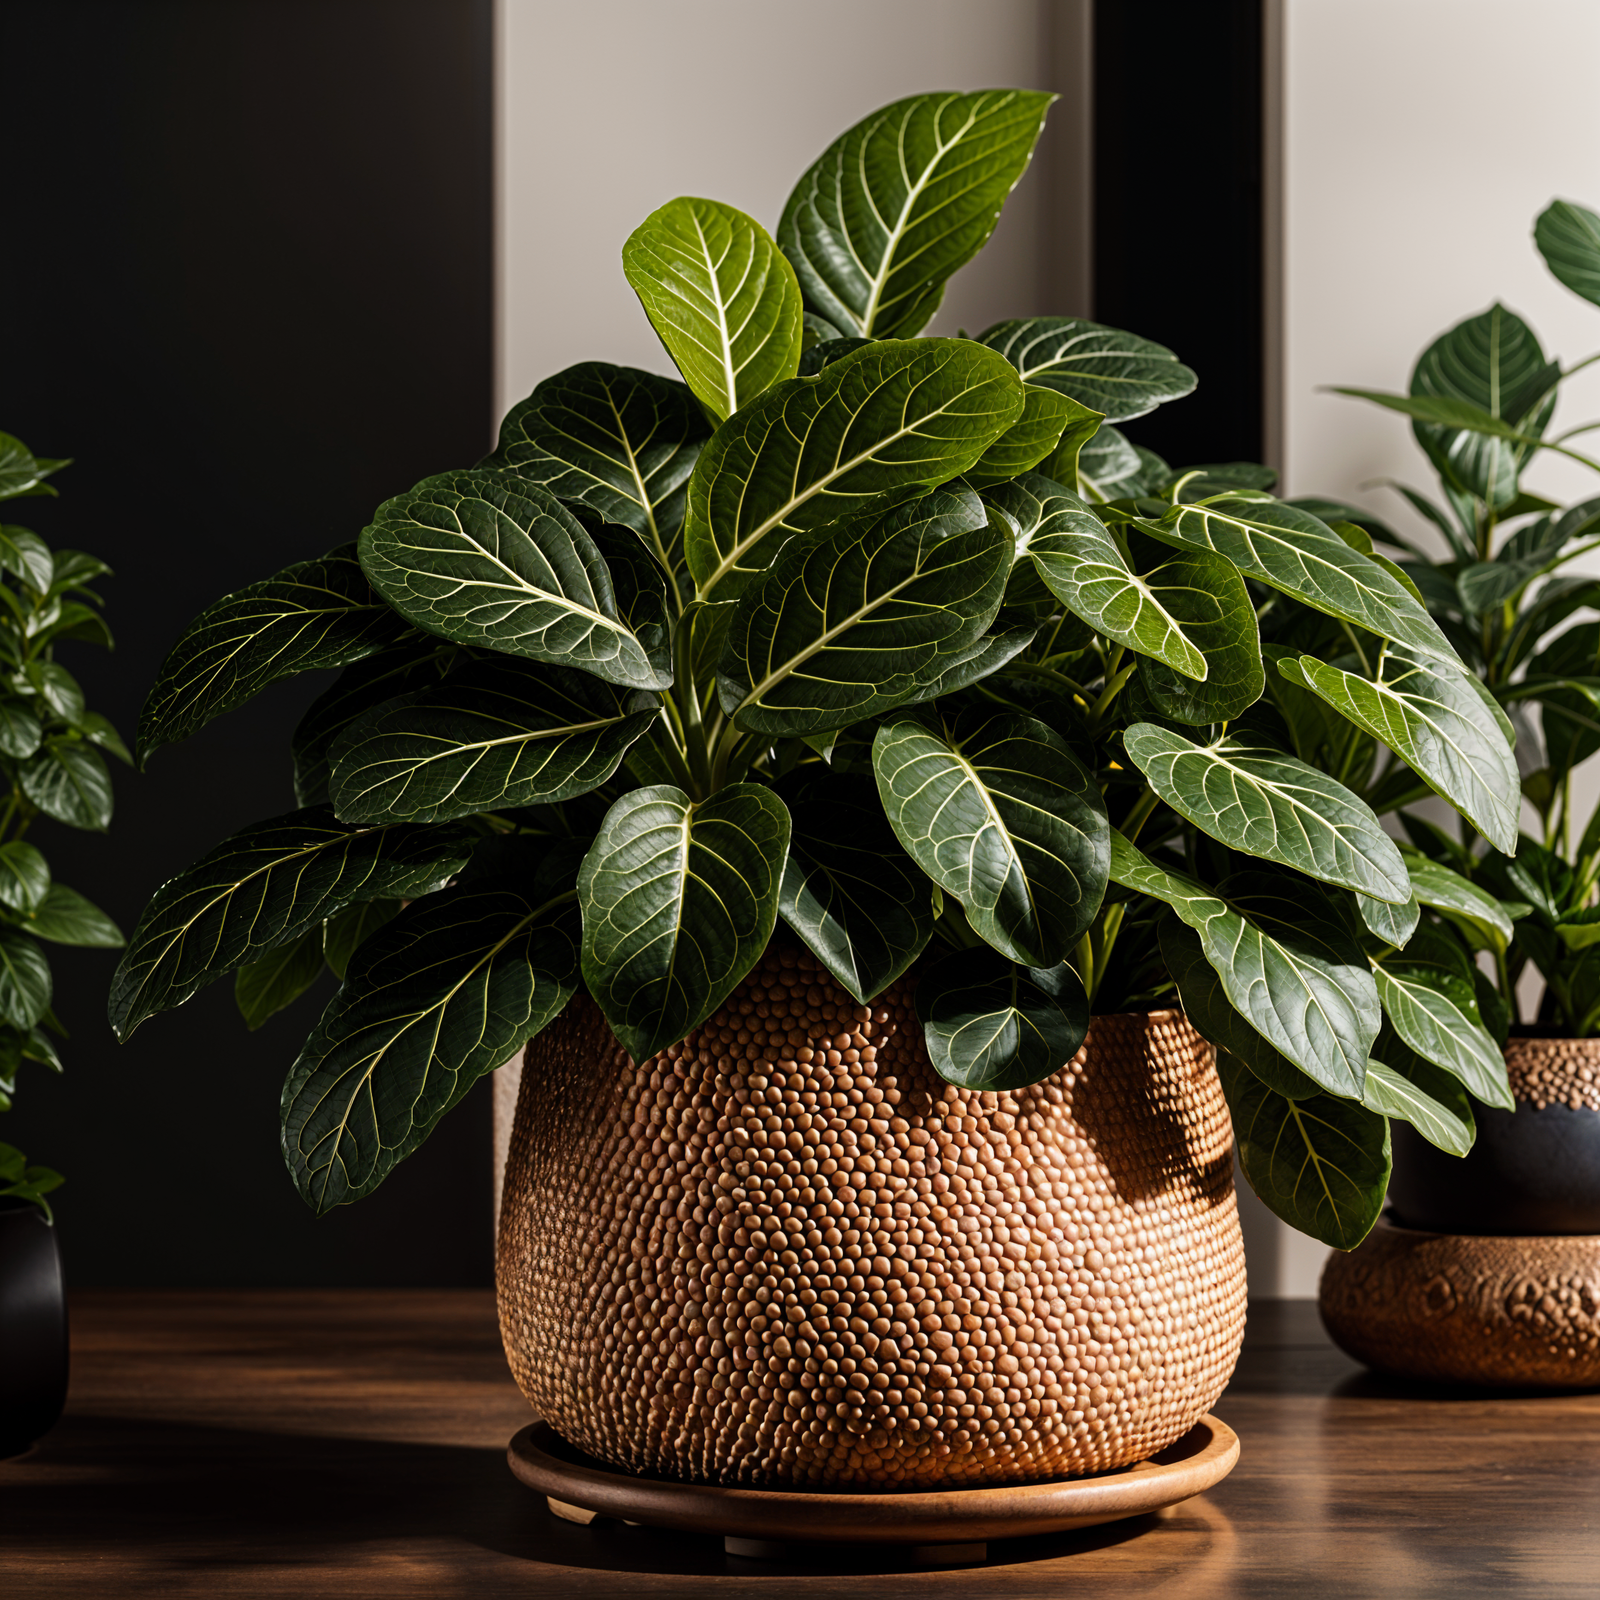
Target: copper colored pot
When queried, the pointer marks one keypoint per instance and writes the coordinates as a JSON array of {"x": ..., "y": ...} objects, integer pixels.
[{"x": 786, "y": 1254}]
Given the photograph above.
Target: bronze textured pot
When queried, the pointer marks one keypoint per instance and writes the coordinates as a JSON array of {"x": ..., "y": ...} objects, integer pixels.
[{"x": 786, "y": 1254}]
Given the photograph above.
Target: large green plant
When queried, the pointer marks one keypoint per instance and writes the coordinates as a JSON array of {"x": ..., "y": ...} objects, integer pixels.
[
  {"x": 1482, "y": 397},
  {"x": 894, "y": 638},
  {"x": 50, "y": 766}
]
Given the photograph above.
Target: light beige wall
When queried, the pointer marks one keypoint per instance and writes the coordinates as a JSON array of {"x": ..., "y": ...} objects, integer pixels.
[{"x": 1420, "y": 140}]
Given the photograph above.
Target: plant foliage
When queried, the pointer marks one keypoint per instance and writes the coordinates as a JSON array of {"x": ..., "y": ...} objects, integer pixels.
[{"x": 891, "y": 637}]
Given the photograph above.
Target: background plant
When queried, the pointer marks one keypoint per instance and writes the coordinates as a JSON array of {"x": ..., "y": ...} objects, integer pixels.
[
  {"x": 50, "y": 766},
  {"x": 894, "y": 638},
  {"x": 1482, "y": 398}
]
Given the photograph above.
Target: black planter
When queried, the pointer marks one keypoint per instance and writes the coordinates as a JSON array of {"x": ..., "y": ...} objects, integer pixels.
[
  {"x": 33, "y": 1327},
  {"x": 1530, "y": 1172}
]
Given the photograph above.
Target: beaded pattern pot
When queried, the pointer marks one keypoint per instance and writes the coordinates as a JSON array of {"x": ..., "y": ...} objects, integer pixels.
[
  {"x": 1555, "y": 1072},
  {"x": 786, "y": 1254}
]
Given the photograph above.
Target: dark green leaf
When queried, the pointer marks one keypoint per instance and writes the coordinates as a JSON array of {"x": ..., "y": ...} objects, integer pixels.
[
  {"x": 491, "y": 736},
  {"x": 818, "y": 356},
  {"x": 482, "y": 559},
  {"x": 902, "y": 200},
  {"x": 1321, "y": 1164},
  {"x": 1109, "y": 467},
  {"x": 679, "y": 899},
  {"x": 1269, "y": 805},
  {"x": 346, "y": 931},
  {"x": 63, "y": 916},
  {"x": 614, "y": 438},
  {"x": 20, "y": 732},
  {"x": 69, "y": 781},
  {"x": 1391, "y": 923},
  {"x": 319, "y": 613},
  {"x": 263, "y": 887},
  {"x": 24, "y": 979},
  {"x": 278, "y": 978},
  {"x": 1568, "y": 237},
  {"x": 24, "y": 875},
  {"x": 443, "y": 995},
  {"x": 855, "y": 619},
  {"x": 1108, "y": 370},
  {"x": 26, "y": 556},
  {"x": 977, "y": 661},
  {"x": 1401, "y": 1084},
  {"x": 57, "y": 690},
  {"x": 1035, "y": 435},
  {"x": 721, "y": 296},
  {"x": 100, "y": 730},
  {"x": 1431, "y": 716},
  {"x": 21, "y": 470},
  {"x": 1288, "y": 962},
  {"x": 1001, "y": 815},
  {"x": 848, "y": 889},
  {"x": 1477, "y": 913},
  {"x": 897, "y": 416},
  {"x": 990, "y": 1024}
]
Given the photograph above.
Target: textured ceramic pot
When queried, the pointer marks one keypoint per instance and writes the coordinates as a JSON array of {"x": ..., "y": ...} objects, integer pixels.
[
  {"x": 1533, "y": 1171},
  {"x": 786, "y": 1254}
]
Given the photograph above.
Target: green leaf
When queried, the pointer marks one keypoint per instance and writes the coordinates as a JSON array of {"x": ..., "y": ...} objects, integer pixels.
[
  {"x": 1289, "y": 965},
  {"x": 1568, "y": 237},
  {"x": 69, "y": 781},
  {"x": 1207, "y": 1006},
  {"x": 817, "y": 356},
  {"x": 494, "y": 734},
  {"x": 21, "y": 471},
  {"x": 24, "y": 875},
  {"x": 1033, "y": 437},
  {"x": 1061, "y": 466},
  {"x": 1391, "y": 923},
  {"x": 848, "y": 890},
  {"x": 320, "y": 613},
  {"x": 679, "y": 899},
  {"x": 855, "y": 619},
  {"x": 346, "y": 931},
  {"x": 1430, "y": 714},
  {"x": 1269, "y": 805},
  {"x": 57, "y": 689},
  {"x": 26, "y": 556},
  {"x": 1463, "y": 903},
  {"x": 1293, "y": 552},
  {"x": 101, "y": 731},
  {"x": 901, "y": 201},
  {"x": 1430, "y": 1100},
  {"x": 359, "y": 689},
  {"x": 24, "y": 979},
  {"x": 37, "y": 1047},
  {"x": 63, "y": 916},
  {"x": 614, "y": 438},
  {"x": 1001, "y": 815},
  {"x": 444, "y": 994},
  {"x": 1110, "y": 371},
  {"x": 278, "y": 979},
  {"x": 264, "y": 887},
  {"x": 1208, "y": 597},
  {"x": 992, "y": 1025},
  {"x": 1321, "y": 1164},
  {"x": 1428, "y": 997},
  {"x": 20, "y": 732},
  {"x": 1110, "y": 467},
  {"x": 481, "y": 559},
  {"x": 898, "y": 416},
  {"x": 1082, "y": 567},
  {"x": 721, "y": 296}
]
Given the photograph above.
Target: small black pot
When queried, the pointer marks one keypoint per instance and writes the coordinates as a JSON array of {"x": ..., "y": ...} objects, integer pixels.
[
  {"x": 33, "y": 1327},
  {"x": 1529, "y": 1172}
]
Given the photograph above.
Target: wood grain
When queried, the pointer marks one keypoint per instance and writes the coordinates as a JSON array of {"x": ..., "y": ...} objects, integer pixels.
[{"x": 274, "y": 1443}]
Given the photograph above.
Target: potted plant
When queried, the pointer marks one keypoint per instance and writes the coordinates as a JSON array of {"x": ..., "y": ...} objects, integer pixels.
[
  {"x": 838, "y": 761},
  {"x": 1482, "y": 397},
  {"x": 50, "y": 766}
]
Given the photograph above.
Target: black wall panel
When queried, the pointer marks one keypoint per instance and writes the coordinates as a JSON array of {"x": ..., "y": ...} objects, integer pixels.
[{"x": 246, "y": 283}]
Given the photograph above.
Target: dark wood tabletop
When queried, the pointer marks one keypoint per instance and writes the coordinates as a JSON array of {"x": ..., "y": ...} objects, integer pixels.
[{"x": 352, "y": 1444}]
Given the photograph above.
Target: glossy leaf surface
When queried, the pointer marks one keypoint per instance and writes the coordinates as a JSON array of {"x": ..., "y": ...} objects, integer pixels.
[
  {"x": 1115, "y": 373},
  {"x": 679, "y": 900},
  {"x": 1001, "y": 815},
  {"x": 722, "y": 297},
  {"x": 63, "y": 916},
  {"x": 441, "y": 996},
  {"x": 69, "y": 781},
  {"x": 268, "y": 984},
  {"x": 480, "y": 560},
  {"x": 1568, "y": 237},
  {"x": 894, "y": 417},
  {"x": 902, "y": 200},
  {"x": 1033, "y": 437}
]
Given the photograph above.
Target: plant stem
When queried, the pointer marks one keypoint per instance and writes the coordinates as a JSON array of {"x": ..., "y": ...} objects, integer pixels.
[
  {"x": 1361, "y": 655},
  {"x": 687, "y": 700},
  {"x": 1138, "y": 815}
]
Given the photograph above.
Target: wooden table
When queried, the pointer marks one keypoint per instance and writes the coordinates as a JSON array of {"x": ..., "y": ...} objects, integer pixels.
[{"x": 351, "y": 1444}]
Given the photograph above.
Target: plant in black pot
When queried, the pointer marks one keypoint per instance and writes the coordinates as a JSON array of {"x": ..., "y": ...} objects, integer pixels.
[
  {"x": 841, "y": 761},
  {"x": 1482, "y": 399},
  {"x": 50, "y": 767}
]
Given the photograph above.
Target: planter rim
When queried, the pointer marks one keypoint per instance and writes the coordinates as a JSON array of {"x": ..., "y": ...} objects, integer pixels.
[{"x": 1520, "y": 1240}]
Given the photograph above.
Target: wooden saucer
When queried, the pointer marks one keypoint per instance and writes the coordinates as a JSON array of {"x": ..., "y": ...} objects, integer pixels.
[{"x": 769, "y": 1522}]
